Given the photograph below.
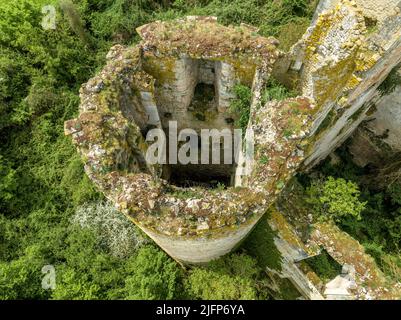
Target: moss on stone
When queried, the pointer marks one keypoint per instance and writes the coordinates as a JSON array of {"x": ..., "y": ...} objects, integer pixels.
[
  {"x": 160, "y": 68},
  {"x": 199, "y": 37}
]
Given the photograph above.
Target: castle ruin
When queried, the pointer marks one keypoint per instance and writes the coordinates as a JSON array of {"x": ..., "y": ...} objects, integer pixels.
[{"x": 185, "y": 71}]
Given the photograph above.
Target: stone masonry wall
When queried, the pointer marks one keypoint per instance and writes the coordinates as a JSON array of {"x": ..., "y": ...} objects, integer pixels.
[{"x": 343, "y": 64}]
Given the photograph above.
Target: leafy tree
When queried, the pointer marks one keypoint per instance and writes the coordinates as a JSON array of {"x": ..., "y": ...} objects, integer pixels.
[
  {"x": 379, "y": 223},
  {"x": 335, "y": 199}
]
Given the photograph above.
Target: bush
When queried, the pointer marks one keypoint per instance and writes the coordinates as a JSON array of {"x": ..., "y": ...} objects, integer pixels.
[
  {"x": 152, "y": 276},
  {"x": 21, "y": 279},
  {"x": 324, "y": 266},
  {"x": 229, "y": 278},
  {"x": 84, "y": 270},
  {"x": 390, "y": 264},
  {"x": 115, "y": 232},
  {"x": 270, "y": 16},
  {"x": 335, "y": 199},
  {"x": 260, "y": 245},
  {"x": 276, "y": 91},
  {"x": 7, "y": 181},
  {"x": 242, "y": 105}
]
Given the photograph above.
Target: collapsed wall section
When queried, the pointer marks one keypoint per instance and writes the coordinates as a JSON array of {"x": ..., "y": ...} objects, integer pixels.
[
  {"x": 340, "y": 63},
  {"x": 380, "y": 53}
]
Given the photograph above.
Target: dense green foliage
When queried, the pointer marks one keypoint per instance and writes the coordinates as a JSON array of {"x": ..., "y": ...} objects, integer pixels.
[
  {"x": 273, "y": 90},
  {"x": 379, "y": 221},
  {"x": 42, "y": 181},
  {"x": 260, "y": 245},
  {"x": 335, "y": 199},
  {"x": 324, "y": 266},
  {"x": 377, "y": 226},
  {"x": 276, "y": 91},
  {"x": 230, "y": 278},
  {"x": 152, "y": 275}
]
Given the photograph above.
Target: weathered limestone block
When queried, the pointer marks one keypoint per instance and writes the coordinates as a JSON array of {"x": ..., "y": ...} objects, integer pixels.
[
  {"x": 376, "y": 142},
  {"x": 108, "y": 128},
  {"x": 366, "y": 148},
  {"x": 341, "y": 286},
  {"x": 379, "y": 53},
  {"x": 224, "y": 85},
  {"x": 202, "y": 248},
  {"x": 340, "y": 62},
  {"x": 207, "y": 71},
  {"x": 374, "y": 11},
  {"x": 149, "y": 105},
  {"x": 293, "y": 250}
]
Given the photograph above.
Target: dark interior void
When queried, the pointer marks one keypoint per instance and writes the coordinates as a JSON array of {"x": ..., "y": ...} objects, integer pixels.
[
  {"x": 206, "y": 176},
  {"x": 201, "y": 175},
  {"x": 204, "y": 98}
]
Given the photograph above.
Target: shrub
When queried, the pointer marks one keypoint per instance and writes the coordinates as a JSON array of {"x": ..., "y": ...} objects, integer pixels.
[
  {"x": 7, "y": 181},
  {"x": 21, "y": 278},
  {"x": 260, "y": 245},
  {"x": 84, "y": 270},
  {"x": 276, "y": 91},
  {"x": 114, "y": 230},
  {"x": 152, "y": 275},
  {"x": 324, "y": 266},
  {"x": 229, "y": 278},
  {"x": 242, "y": 105},
  {"x": 335, "y": 199}
]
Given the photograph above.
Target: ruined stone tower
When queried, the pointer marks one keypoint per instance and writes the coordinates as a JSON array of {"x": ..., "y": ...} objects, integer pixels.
[
  {"x": 165, "y": 78},
  {"x": 185, "y": 71}
]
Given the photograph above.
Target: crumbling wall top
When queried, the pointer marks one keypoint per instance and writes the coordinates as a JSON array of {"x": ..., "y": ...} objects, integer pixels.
[{"x": 203, "y": 37}]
